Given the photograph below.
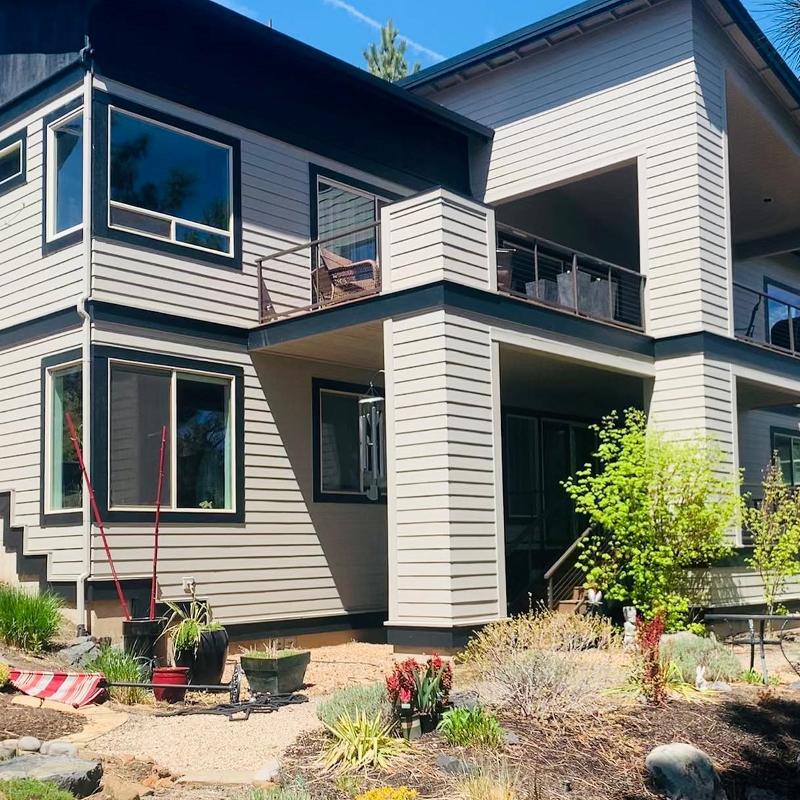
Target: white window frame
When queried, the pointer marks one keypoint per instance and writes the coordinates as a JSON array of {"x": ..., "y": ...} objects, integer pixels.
[
  {"x": 52, "y": 234},
  {"x": 214, "y": 377},
  {"x": 15, "y": 145},
  {"x": 51, "y": 372},
  {"x": 322, "y": 490},
  {"x": 172, "y": 219}
]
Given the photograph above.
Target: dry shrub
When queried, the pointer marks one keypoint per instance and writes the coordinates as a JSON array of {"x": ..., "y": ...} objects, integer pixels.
[
  {"x": 496, "y": 780},
  {"x": 539, "y": 629}
]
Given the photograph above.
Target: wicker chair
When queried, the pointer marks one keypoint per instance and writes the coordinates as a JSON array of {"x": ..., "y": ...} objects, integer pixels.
[{"x": 339, "y": 279}]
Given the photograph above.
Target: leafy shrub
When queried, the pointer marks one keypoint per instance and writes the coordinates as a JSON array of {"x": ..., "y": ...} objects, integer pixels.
[
  {"x": 362, "y": 742},
  {"x": 27, "y": 620},
  {"x": 369, "y": 699},
  {"x": 755, "y": 678},
  {"x": 424, "y": 687},
  {"x": 689, "y": 653},
  {"x": 466, "y": 727},
  {"x": 539, "y": 629},
  {"x": 30, "y": 789},
  {"x": 540, "y": 684},
  {"x": 292, "y": 791},
  {"x": 5, "y": 671},
  {"x": 389, "y": 793},
  {"x": 123, "y": 667}
]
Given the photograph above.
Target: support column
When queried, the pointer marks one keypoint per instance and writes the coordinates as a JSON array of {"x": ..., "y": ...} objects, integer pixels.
[{"x": 446, "y": 554}]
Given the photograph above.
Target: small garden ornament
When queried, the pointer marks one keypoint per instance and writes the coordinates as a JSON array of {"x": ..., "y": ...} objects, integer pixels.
[{"x": 629, "y": 629}]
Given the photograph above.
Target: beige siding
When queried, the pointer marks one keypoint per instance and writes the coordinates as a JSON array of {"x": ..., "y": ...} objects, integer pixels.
[
  {"x": 292, "y": 557},
  {"x": 20, "y": 455},
  {"x": 438, "y": 236},
  {"x": 442, "y": 482},
  {"x": 740, "y": 586},
  {"x": 275, "y": 216},
  {"x": 642, "y": 89},
  {"x": 755, "y": 442},
  {"x": 33, "y": 285}
]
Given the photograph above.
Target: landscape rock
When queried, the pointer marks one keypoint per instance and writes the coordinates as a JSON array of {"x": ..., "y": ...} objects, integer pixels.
[
  {"x": 77, "y": 655},
  {"x": 511, "y": 738},
  {"x": 466, "y": 700},
  {"x": 269, "y": 773},
  {"x": 28, "y": 744},
  {"x": 58, "y": 748},
  {"x": 795, "y": 685},
  {"x": 720, "y": 686},
  {"x": 6, "y": 753},
  {"x": 119, "y": 789},
  {"x": 75, "y": 775},
  {"x": 682, "y": 772},
  {"x": 454, "y": 766},
  {"x": 9, "y": 744},
  {"x": 756, "y": 793}
]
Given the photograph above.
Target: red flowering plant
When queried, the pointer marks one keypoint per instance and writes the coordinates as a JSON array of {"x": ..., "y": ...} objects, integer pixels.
[
  {"x": 652, "y": 673},
  {"x": 423, "y": 688}
]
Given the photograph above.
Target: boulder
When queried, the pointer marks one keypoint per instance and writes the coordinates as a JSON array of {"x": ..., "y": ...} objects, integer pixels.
[
  {"x": 58, "y": 748},
  {"x": 75, "y": 775},
  {"x": 682, "y": 772},
  {"x": 9, "y": 744},
  {"x": 28, "y": 744},
  {"x": 511, "y": 738},
  {"x": 454, "y": 766},
  {"x": 119, "y": 789},
  {"x": 77, "y": 655},
  {"x": 466, "y": 700},
  {"x": 6, "y": 753}
]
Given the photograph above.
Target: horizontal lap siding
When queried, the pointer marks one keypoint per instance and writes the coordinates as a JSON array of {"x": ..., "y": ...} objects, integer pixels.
[
  {"x": 21, "y": 458},
  {"x": 275, "y": 217},
  {"x": 755, "y": 443},
  {"x": 33, "y": 285},
  {"x": 445, "y": 537},
  {"x": 646, "y": 87},
  {"x": 292, "y": 558}
]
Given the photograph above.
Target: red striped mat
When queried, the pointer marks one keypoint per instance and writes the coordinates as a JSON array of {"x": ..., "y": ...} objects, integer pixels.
[{"x": 73, "y": 688}]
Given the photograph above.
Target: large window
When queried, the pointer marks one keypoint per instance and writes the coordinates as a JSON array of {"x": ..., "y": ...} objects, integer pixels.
[
  {"x": 168, "y": 184},
  {"x": 62, "y": 471},
  {"x": 65, "y": 175},
  {"x": 787, "y": 445},
  {"x": 196, "y": 410}
]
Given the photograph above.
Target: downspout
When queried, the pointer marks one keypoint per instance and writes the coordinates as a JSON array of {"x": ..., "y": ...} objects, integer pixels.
[{"x": 86, "y": 329}]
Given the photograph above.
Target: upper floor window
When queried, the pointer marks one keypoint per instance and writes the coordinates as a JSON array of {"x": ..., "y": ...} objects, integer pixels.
[
  {"x": 12, "y": 162},
  {"x": 787, "y": 445},
  {"x": 168, "y": 184},
  {"x": 65, "y": 175}
]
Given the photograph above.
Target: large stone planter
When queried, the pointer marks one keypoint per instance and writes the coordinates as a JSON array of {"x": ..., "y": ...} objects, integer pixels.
[{"x": 276, "y": 675}]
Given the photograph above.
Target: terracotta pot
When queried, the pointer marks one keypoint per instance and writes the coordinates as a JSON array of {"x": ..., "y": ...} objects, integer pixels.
[{"x": 178, "y": 676}]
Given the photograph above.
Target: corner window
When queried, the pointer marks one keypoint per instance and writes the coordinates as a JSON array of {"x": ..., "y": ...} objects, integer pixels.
[
  {"x": 787, "y": 445},
  {"x": 168, "y": 184},
  {"x": 62, "y": 470},
  {"x": 12, "y": 162},
  {"x": 196, "y": 410},
  {"x": 65, "y": 175}
]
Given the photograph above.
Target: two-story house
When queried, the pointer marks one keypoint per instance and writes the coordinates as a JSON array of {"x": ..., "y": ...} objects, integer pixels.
[{"x": 375, "y": 320}]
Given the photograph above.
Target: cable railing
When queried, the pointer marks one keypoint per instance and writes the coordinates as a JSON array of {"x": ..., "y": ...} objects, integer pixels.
[
  {"x": 547, "y": 273},
  {"x": 765, "y": 319},
  {"x": 324, "y": 272}
]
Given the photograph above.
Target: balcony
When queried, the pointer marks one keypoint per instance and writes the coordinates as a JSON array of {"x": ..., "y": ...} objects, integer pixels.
[
  {"x": 766, "y": 320},
  {"x": 440, "y": 236}
]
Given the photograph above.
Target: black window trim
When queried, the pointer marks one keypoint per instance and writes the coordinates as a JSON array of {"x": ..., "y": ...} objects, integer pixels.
[
  {"x": 21, "y": 138},
  {"x": 771, "y": 282},
  {"x": 102, "y": 356},
  {"x": 792, "y": 433},
  {"x": 102, "y": 102},
  {"x": 48, "y": 365},
  {"x": 52, "y": 245},
  {"x": 318, "y": 385}
]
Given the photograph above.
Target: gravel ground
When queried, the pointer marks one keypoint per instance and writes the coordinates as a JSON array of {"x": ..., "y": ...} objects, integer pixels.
[{"x": 208, "y": 742}]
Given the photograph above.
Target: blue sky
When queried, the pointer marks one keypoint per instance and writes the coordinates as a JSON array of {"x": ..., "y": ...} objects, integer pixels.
[{"x": 435, "y": 29}]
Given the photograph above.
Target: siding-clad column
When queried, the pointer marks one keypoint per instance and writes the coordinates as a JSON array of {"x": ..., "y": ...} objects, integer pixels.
[{"x": 445, "y": 506}]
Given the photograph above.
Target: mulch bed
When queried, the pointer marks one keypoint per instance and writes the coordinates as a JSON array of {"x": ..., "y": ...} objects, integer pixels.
[
  {"x": 752, "y": 736},
  {"x": 43, "y": 723}
]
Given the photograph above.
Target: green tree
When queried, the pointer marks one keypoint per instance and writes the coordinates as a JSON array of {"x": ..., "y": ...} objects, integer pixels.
[
  {"x": 387, "y": 59},
  {"x": 775, "y": 528},
  {"x": 660, "y": 508},
  {"x": 787, "y": 28}
]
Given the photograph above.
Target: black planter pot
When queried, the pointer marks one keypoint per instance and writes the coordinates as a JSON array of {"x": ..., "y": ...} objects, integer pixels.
[
  {"x": 276, "y": 675},
  {"x": 139, "y": 638},
  {"x": 207, "y": 663}
]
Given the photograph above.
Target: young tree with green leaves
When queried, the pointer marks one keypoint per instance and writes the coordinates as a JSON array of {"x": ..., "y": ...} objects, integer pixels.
[
  {"x": 387, "y": 59},
  {"x": 660, "y": 507},
  {"x": 775, "y": 528}
]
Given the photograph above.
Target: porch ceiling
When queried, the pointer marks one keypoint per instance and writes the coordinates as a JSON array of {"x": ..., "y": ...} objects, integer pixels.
[
  {"x": 357, "y": 346},
  {"x": 752, "y": 394}
]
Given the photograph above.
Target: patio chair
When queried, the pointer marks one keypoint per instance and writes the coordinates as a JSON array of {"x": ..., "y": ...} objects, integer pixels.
[{"x": 339, "y": 279}]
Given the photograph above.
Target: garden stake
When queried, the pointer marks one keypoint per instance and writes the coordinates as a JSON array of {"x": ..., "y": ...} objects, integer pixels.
[
  {"x": 154, "y": 587},
  {"x": 96, "y": 511}
]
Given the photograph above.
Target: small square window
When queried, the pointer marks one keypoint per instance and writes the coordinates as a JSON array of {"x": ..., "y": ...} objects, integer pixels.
[{"x": 12, "y": 163}]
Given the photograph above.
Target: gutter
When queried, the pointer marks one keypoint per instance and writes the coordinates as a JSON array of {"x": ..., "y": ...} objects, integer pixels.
[{"x": 86, "y": 328}]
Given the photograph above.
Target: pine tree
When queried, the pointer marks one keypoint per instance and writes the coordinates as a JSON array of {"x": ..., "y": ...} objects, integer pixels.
[
  {"x": 387, "y": 60},
  {"x": 787, "y": 26}
]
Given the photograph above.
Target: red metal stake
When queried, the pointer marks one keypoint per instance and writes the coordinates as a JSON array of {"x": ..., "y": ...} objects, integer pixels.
[
  {"x": 73, "y": 435},
  {"x": 154, "y": 587}
]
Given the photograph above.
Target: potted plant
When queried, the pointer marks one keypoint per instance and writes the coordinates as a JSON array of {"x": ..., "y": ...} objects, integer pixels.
[
  {"x": 419, "y": 693},
  {"x": 274, "y": 670},
  {"x": 198, "y": 641}
]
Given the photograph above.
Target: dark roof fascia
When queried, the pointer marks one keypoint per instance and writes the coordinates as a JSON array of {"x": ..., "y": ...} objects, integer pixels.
[{"x": 574, "y": 15}]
